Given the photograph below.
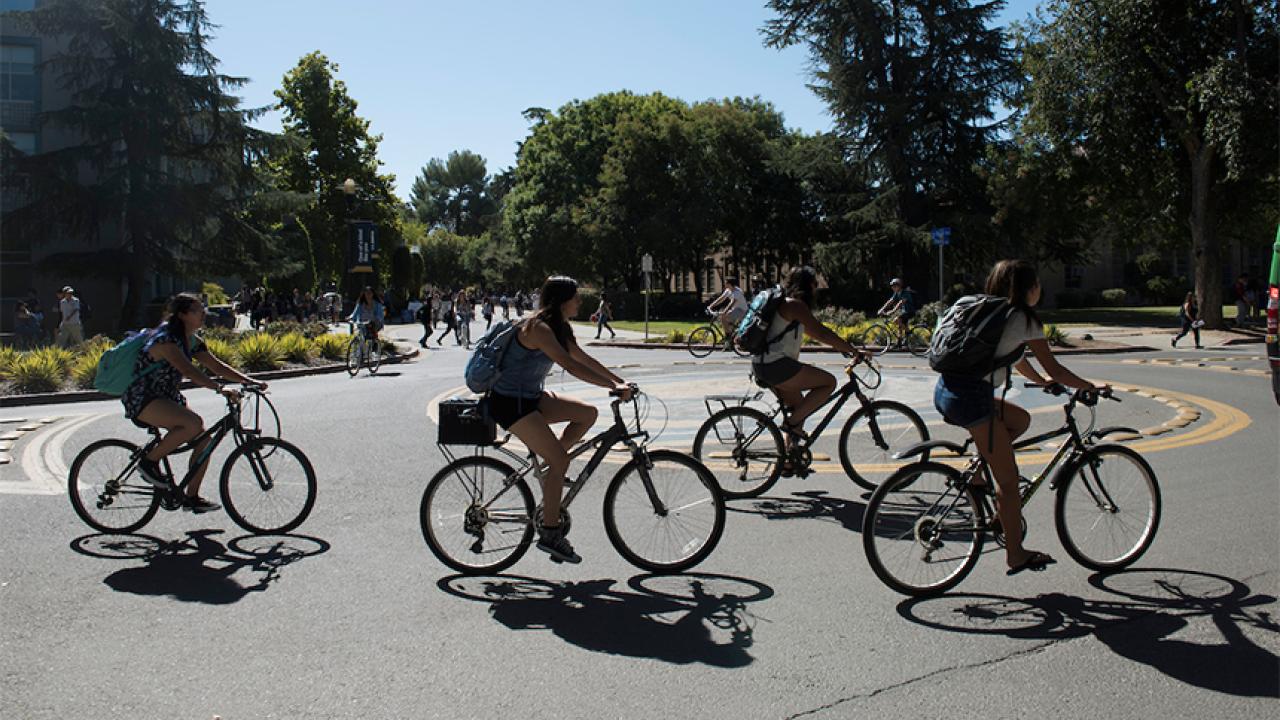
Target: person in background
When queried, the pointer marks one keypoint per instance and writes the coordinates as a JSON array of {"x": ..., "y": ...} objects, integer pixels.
[
  {"x": 447, "y": 315},
  {"x": 731, "y": 306},
  {"x": 70, "y": 330},
  {"x": 1189, "y": 314},
  {"x": 603, "y": 313},
  {"x": 424, "y": 317},
  {"x": 1239, "y": 292},
  {"x": 486, "y": 309},
  {"x": 901, "y": 305},
  {"x": 25, "y": 327}
]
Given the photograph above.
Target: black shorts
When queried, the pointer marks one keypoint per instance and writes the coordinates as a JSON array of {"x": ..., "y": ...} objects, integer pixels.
[
  {"x": 507, "y": 410},
  {"x": 775, "y": 373}
]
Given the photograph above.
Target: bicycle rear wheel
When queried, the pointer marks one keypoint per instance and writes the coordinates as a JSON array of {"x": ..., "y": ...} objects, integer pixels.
[
  {"x": 702, "y": 341},
  {"x": 873, "y": 435},
  {"x": 677, "y": 526},
  {"x": 922, "y": 534},
  {"x": 743, "y": 450},
  {"x": 1108, "y": 508},
  {"x": 106, "y": 489},
  {"x": 877, "y": 339},
  {"x": 268, "y": 486},
  {"x": 472, "y": 520}
]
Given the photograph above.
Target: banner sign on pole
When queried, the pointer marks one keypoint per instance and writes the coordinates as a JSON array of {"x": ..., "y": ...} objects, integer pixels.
[{"x": 363, "y": 246}]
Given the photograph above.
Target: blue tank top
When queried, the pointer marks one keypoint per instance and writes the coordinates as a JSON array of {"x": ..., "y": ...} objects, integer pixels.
[{"x": 524, "y": 371}]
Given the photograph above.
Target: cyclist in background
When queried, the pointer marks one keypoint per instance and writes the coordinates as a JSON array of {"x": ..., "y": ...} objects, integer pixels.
[
  {"x": 902, "y": 305},
  {"x": 369, "y": 310},
  {"x": 732, "y": 306}
]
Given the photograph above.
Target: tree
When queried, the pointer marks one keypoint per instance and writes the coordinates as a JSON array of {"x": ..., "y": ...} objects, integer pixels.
[
  {"x": 454, "y": 194},
  {"x": 327, "y": 144},
  {"x": 912, "y": 85},
  {"x": 1168, "y": 109},
  {"x": 161, "y": 173}
]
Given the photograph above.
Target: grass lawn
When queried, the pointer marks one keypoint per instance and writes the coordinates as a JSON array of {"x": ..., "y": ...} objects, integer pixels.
[
  {"x": 1121, "y": 316},
  {"x": 656, "y": 327}
]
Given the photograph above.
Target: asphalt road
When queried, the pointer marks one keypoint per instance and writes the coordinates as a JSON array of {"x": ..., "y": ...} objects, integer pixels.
[{"x": 352, "y": 617}]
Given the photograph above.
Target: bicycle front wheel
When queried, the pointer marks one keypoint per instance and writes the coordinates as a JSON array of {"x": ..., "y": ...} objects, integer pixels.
[
  {"x": 666, "y": 517},
  {"x": 106, "y": 489},
  {"x": 472, "y": 520},
  {"x": 702, "y": 341},
  {"x": 1108, "y": 508},
  {"x": 743, "y": 450},
  {"x": 873, "y": 435},
  {"x": 268, "y": 486},
  {"x": 355, "y": 356},
  {"x": 922, "y": 534},
  {"x": 878, "y": 339},
  {"x": 918, "y": 339}
]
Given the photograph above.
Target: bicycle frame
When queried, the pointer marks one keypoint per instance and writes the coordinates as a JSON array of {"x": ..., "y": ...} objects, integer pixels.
[
  {"x": 228, "y": 424},
  {"x": 851, "y": 388}
]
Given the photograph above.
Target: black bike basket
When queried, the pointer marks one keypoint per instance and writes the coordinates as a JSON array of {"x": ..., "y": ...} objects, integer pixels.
[{"x": 464, "y": 422}]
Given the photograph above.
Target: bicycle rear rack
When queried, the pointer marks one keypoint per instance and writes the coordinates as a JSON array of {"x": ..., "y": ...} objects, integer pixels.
[{"x": 724, "y": 400}]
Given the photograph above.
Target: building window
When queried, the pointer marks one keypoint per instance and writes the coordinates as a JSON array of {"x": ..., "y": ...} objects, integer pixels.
[
  {"x": 25, "y": 142},
  {"x": 1073, "y": 277},
  {"x": 18, "y": 73},
  {"x": 17, "y": 5}
]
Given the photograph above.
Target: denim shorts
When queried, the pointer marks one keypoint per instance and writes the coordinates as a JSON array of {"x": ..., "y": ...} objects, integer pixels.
[
  {"x": 964, "y": 401},
  {"x": 777, "y": 372}
]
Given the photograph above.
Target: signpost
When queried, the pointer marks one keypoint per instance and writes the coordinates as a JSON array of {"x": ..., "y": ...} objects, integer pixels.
[
  {"x": 941, "y": 238},
  {"x": 646, "y": 266}
]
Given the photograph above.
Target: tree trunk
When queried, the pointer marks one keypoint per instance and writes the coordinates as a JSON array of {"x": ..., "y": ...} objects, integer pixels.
[{"x": 1204, "y": 237}]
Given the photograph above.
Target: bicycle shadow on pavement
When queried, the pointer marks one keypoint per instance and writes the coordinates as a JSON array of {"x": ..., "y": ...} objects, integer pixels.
[
  {"x": 807, "y": 504},
  {"x": 678, "y": 619},
  {"x": 1140, "y": 621},
  {"x": 198, "y": 568}
]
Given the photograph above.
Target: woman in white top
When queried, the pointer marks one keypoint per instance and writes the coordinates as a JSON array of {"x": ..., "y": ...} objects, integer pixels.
[
  {"x": 800, "y": 387},
  {"x": 995, "y": 423}
]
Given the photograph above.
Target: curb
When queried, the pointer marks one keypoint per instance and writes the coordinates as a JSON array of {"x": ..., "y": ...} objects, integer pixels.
[
  {"x": 896, "y": 353},
  {"x": 55, "y": 398}
]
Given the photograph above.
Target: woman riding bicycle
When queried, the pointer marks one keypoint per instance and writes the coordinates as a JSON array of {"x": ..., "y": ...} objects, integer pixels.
[
  {"x": 520, "y": 405},
  {"x": 801, "y": 388},
  {"x": 153, "y": 400},
  {"x": 994, "y": 423},
  {"x": 369, "y": 311}
]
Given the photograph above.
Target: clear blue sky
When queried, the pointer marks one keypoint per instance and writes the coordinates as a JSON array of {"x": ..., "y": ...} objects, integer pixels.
[{"x": 433, "y": 77}]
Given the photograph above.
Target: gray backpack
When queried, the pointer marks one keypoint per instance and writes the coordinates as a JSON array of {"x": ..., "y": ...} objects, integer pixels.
[{"x": 965, "y": 340}]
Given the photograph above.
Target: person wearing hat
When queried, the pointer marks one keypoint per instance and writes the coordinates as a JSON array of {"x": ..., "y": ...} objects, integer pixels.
[
  {"x": 70, "y": 329},
  {"x": 902, "y": 305}
]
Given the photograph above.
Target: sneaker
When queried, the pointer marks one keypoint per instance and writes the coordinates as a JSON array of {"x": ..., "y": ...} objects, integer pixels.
[
  {"x": 199, "y": 505},
  {"x": 553, "y": 542},
  {"x": 153, "y": 473},
  {"x": 1173, "y": 342}
]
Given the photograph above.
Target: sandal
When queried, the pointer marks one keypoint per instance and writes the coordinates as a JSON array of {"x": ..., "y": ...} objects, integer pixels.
[
  {"x": 796, "y": 431},
  {"x": 1036, "y": 561}
]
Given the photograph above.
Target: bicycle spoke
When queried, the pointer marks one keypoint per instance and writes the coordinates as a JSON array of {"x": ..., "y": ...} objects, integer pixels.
[{"x": 1108, "y": 509}]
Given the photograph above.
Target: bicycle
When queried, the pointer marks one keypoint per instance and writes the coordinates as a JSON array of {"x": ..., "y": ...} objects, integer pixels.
[
  {"x": 364, "y": 350},
  {"x": 705, "y": 339},
  {"x": 885, "y": 334},
  {"x": 932, "y": 519},
  {"x": 751, "y": 441},
  {"x": 267, "y": 484},
  {"x": 662, "y": 509}
]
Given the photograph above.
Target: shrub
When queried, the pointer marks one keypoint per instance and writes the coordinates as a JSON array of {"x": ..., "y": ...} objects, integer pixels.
[
  {"x": 38, "y": 372},
  {"x": 57, "y": 357},
  {"x": 332, "y": 346},
  {"x": 223, "y": 334},
  {"x": 675, "y": 337},
  {"x": 1165, "y": 291},
  {"x": 214, "y": 294},
  {"x": 1056, "y": 336},
  {"x": 224, "y": 350},
  {"x": 8, "y": 358},
  {"x": 839, "y": 317},
  {"x": 386, "y": 347},
  {"x": 929, "y": 314},
  {"x": 1114, "y": 297},
  {"x": 295, "y": 347},
  {"x": 259, "y": 351},
  {"x": 85, "y": 367}
]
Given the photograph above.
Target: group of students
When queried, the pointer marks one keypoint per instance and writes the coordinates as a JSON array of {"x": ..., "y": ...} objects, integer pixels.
[{"x": 521, "y": 404}]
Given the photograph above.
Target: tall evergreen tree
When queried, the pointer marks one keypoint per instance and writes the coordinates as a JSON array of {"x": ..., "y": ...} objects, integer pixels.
[
  {"x": 454, "y": 194},
  {"x": 162, "y": 168}
]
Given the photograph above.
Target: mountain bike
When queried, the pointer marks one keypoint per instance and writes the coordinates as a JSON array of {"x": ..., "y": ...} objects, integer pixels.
[
  {"x": 925, "y": 526},
  {"x": 744, "y": 446},
  {"x": 885, "y": 334},
  {"x": 364, "y": 350},
  {"x": 267, "y": 484},
  {"x": 705, "y": 339},
  {"x": 662, "y": 509}
]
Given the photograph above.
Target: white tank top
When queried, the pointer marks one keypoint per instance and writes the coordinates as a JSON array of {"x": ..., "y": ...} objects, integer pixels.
[{"x": 788, "y": 345}]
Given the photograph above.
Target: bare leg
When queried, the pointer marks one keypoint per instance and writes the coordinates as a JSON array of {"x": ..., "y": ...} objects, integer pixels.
[
  {"x": 182, "y": 424},
  {"x": 579, "y": 415},
  {"x": 996, "y": 446},
  {"x": 534, "y": 431}
]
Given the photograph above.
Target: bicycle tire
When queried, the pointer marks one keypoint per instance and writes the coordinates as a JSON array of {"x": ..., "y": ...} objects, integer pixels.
[
  {"x": 373, "y": 355},
  {"x": 917, "y": 340},
  {"x": 80, "y": 487},
  {"x": 730, "y": 477},
  {"x": 237, "y": 500},
  {"x": 354, "y": 349},
  {"x": 702, "y": 341},
  {"x": 435, "y": 520},
  {"x": 890, "y": 529},
  {"x": 900, "y": 434},
  {"x": 877, "y": 339},
  {"x": 689, "y": 494},
  {"x": 1084, "y": 473}
]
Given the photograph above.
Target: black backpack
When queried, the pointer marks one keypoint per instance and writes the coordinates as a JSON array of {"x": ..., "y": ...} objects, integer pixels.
[
  {"x": 965, "y": 341},
  {"x": 752, "y": 333}
]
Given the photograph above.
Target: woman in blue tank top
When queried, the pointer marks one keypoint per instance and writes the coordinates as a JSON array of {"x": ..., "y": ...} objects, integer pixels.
[{"x": 519, "y": 403}]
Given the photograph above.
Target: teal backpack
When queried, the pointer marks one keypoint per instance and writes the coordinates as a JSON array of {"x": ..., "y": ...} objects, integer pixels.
[{"x": 115, "y": 368}]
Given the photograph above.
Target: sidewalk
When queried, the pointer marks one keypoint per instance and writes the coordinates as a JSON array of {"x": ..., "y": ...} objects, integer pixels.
[{"x": 1158, "y": 337}]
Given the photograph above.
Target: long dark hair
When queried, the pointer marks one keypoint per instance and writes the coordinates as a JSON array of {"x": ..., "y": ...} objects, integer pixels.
[
  {"x": 1013, "y": 279},
  {"x": 178, "y": 304},
  {"x": 556, "y": 291},
  {"x": 800, "y": 284}
]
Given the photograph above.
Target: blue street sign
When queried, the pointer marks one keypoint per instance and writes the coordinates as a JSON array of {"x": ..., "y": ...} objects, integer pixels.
[{"x": 942, "y": 236}]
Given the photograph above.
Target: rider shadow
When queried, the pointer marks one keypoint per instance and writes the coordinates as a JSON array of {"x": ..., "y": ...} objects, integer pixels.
[
  {"x": 808, "y": 504},
  {"x": 694, "y": 619},
  {"x": 1152, "y": 606},
  {"x": 188, "y": 569}
]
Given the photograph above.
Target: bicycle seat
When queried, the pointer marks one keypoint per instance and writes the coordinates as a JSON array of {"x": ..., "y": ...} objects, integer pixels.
[
  {"x": 154, "y": 432},
  {"x": 930, "y": 445}
]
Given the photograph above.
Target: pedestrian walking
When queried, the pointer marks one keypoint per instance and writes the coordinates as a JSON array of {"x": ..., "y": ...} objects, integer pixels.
[
  {"x": 446, "y": 314},
  {"x": 602, "y": 315},
  {"x": 486, "y": 309},
  {"x": 70, "y": 329},
  {"x": 26, "y": 327},
  {"x": 504, "y": 302},
  {"x": 1189, "y": 314},
  {"x": 1240, "y": 292},
  {"x": 424, "y": 316}
]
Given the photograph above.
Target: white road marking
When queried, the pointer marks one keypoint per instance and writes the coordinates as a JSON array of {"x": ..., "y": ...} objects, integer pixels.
[{"x": 42, "y": 462}]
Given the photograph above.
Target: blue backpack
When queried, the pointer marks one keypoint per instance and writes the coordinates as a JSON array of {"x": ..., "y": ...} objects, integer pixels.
[
  {"x": 752, "y": 333},
  {"x": 485, "y": 366},
  {"x": 115, "y": 367}
]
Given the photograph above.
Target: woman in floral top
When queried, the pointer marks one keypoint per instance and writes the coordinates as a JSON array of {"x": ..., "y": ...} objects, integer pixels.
[{"x": 153, "y": 399}]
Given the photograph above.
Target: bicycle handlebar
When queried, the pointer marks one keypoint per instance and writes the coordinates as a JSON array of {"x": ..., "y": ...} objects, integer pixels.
[{"x": 1084, "y": 397}]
